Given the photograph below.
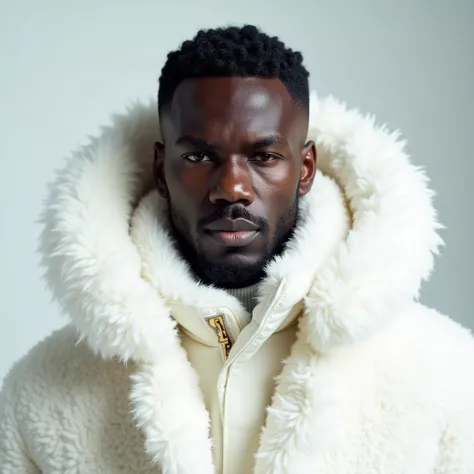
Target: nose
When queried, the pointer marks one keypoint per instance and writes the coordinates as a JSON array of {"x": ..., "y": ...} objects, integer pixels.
[{"x": 233, "y": 182}]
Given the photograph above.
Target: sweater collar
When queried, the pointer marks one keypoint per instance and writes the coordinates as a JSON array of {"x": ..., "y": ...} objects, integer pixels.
[{"x": 247, "y": 296}]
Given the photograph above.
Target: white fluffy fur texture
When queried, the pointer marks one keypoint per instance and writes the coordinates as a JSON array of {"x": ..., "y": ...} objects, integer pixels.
[
  {"x": 394, "y": 234},
  {"x": 325, "y": 391}
]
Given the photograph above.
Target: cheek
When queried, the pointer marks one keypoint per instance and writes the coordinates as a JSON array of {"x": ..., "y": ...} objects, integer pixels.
[
  {"x": 277, "y": 189},
  {"x": 186, "y": 188},
  {"x": 184, "y": 194}
]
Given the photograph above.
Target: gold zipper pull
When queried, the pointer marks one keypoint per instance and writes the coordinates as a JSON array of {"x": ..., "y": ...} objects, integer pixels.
[{"x": 218, "y": 324}]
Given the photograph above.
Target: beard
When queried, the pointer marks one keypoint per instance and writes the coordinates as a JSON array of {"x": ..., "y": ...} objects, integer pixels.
[{"x": 241, "y": 273}]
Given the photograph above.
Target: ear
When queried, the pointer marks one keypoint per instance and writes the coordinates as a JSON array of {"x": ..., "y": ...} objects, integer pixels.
[
  {"x": 159, "y": 170},
  {"x": 308, "y": 168}
]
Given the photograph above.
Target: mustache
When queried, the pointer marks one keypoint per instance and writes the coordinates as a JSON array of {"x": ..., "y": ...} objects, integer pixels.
[{"x": 233, "y": 212}]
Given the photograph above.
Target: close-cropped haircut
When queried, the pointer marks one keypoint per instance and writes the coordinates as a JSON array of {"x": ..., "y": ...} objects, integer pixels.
[{"x": 234, "y": 52}]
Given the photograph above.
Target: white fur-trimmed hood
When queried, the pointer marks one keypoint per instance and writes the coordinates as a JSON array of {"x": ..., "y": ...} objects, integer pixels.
[
  {"x": 95, "y": 270},
  {"x": 387, "y": 255}
]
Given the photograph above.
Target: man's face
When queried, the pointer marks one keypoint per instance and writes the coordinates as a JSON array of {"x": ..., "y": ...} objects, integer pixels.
[{"x": 232, "y": 166}]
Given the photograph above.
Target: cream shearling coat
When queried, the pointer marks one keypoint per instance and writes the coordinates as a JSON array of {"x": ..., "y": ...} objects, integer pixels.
[{"x": 338, "y": 371}]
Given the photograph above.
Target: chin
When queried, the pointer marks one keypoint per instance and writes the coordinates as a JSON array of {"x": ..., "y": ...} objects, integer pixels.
[
  {"x": 234, "y": 270},
  {"x": 239, "y": 259}
]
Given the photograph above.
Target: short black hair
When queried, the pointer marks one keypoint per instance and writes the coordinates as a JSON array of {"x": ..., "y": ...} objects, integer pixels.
[{"x": 234, "y": 51}]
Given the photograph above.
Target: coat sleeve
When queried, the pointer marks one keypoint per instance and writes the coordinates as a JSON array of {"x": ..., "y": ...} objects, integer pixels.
[{"x": 14, "y": 457}]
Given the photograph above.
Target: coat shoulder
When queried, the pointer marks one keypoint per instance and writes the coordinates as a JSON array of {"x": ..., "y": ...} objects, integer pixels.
[
  {"x": 61, "y": 380},
  {"x": 432, "y": 329},
  {"x": 433, "y": 353},
  {"x": 60, "y": 363}
]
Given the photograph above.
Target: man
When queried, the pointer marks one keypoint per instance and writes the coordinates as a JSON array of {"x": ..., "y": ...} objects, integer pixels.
[{"x": 247, "y": 304}]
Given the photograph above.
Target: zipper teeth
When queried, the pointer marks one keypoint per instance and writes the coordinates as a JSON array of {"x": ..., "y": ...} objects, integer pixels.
[
  {"x": 229, "y": 333},
  {"x": 231, "y": 339}
]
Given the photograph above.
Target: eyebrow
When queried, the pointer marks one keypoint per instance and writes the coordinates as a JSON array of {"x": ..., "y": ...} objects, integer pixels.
[
  {"x": 269, "y": 140},
  {"x": 196, "y": 142},
  {"x": 203, "y": 144}
]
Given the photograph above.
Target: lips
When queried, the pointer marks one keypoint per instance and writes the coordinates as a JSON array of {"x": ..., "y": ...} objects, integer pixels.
[
  {"x": 232, "y": 225},
  {"x": 232, "y": 232}
]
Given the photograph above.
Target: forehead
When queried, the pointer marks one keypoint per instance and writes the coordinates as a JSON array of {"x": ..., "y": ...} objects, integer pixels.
[{"x": 224, "y": 106}]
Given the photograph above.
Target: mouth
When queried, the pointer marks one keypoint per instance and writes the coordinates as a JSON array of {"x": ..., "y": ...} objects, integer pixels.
[
  {"x": 233, "y": 239},
  {"x": 232, "y": 232}
]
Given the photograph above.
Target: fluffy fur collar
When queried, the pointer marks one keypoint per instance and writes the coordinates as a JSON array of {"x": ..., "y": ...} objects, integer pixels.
[
  {"x": 323, "y": 225},
  {"x": 95, "y": 270}
]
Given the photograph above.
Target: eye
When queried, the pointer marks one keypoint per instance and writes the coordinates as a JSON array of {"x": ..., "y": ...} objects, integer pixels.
[
  {"x": 197, "y": 157},
  {"x": 265, "y": 157}
]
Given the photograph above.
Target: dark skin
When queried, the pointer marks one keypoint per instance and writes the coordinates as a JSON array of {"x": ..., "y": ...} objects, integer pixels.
[{"x": 233, "y": 163}]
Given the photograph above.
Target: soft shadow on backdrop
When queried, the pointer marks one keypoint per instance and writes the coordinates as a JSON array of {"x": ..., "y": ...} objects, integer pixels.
[{"x": 67, "y": 65}]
